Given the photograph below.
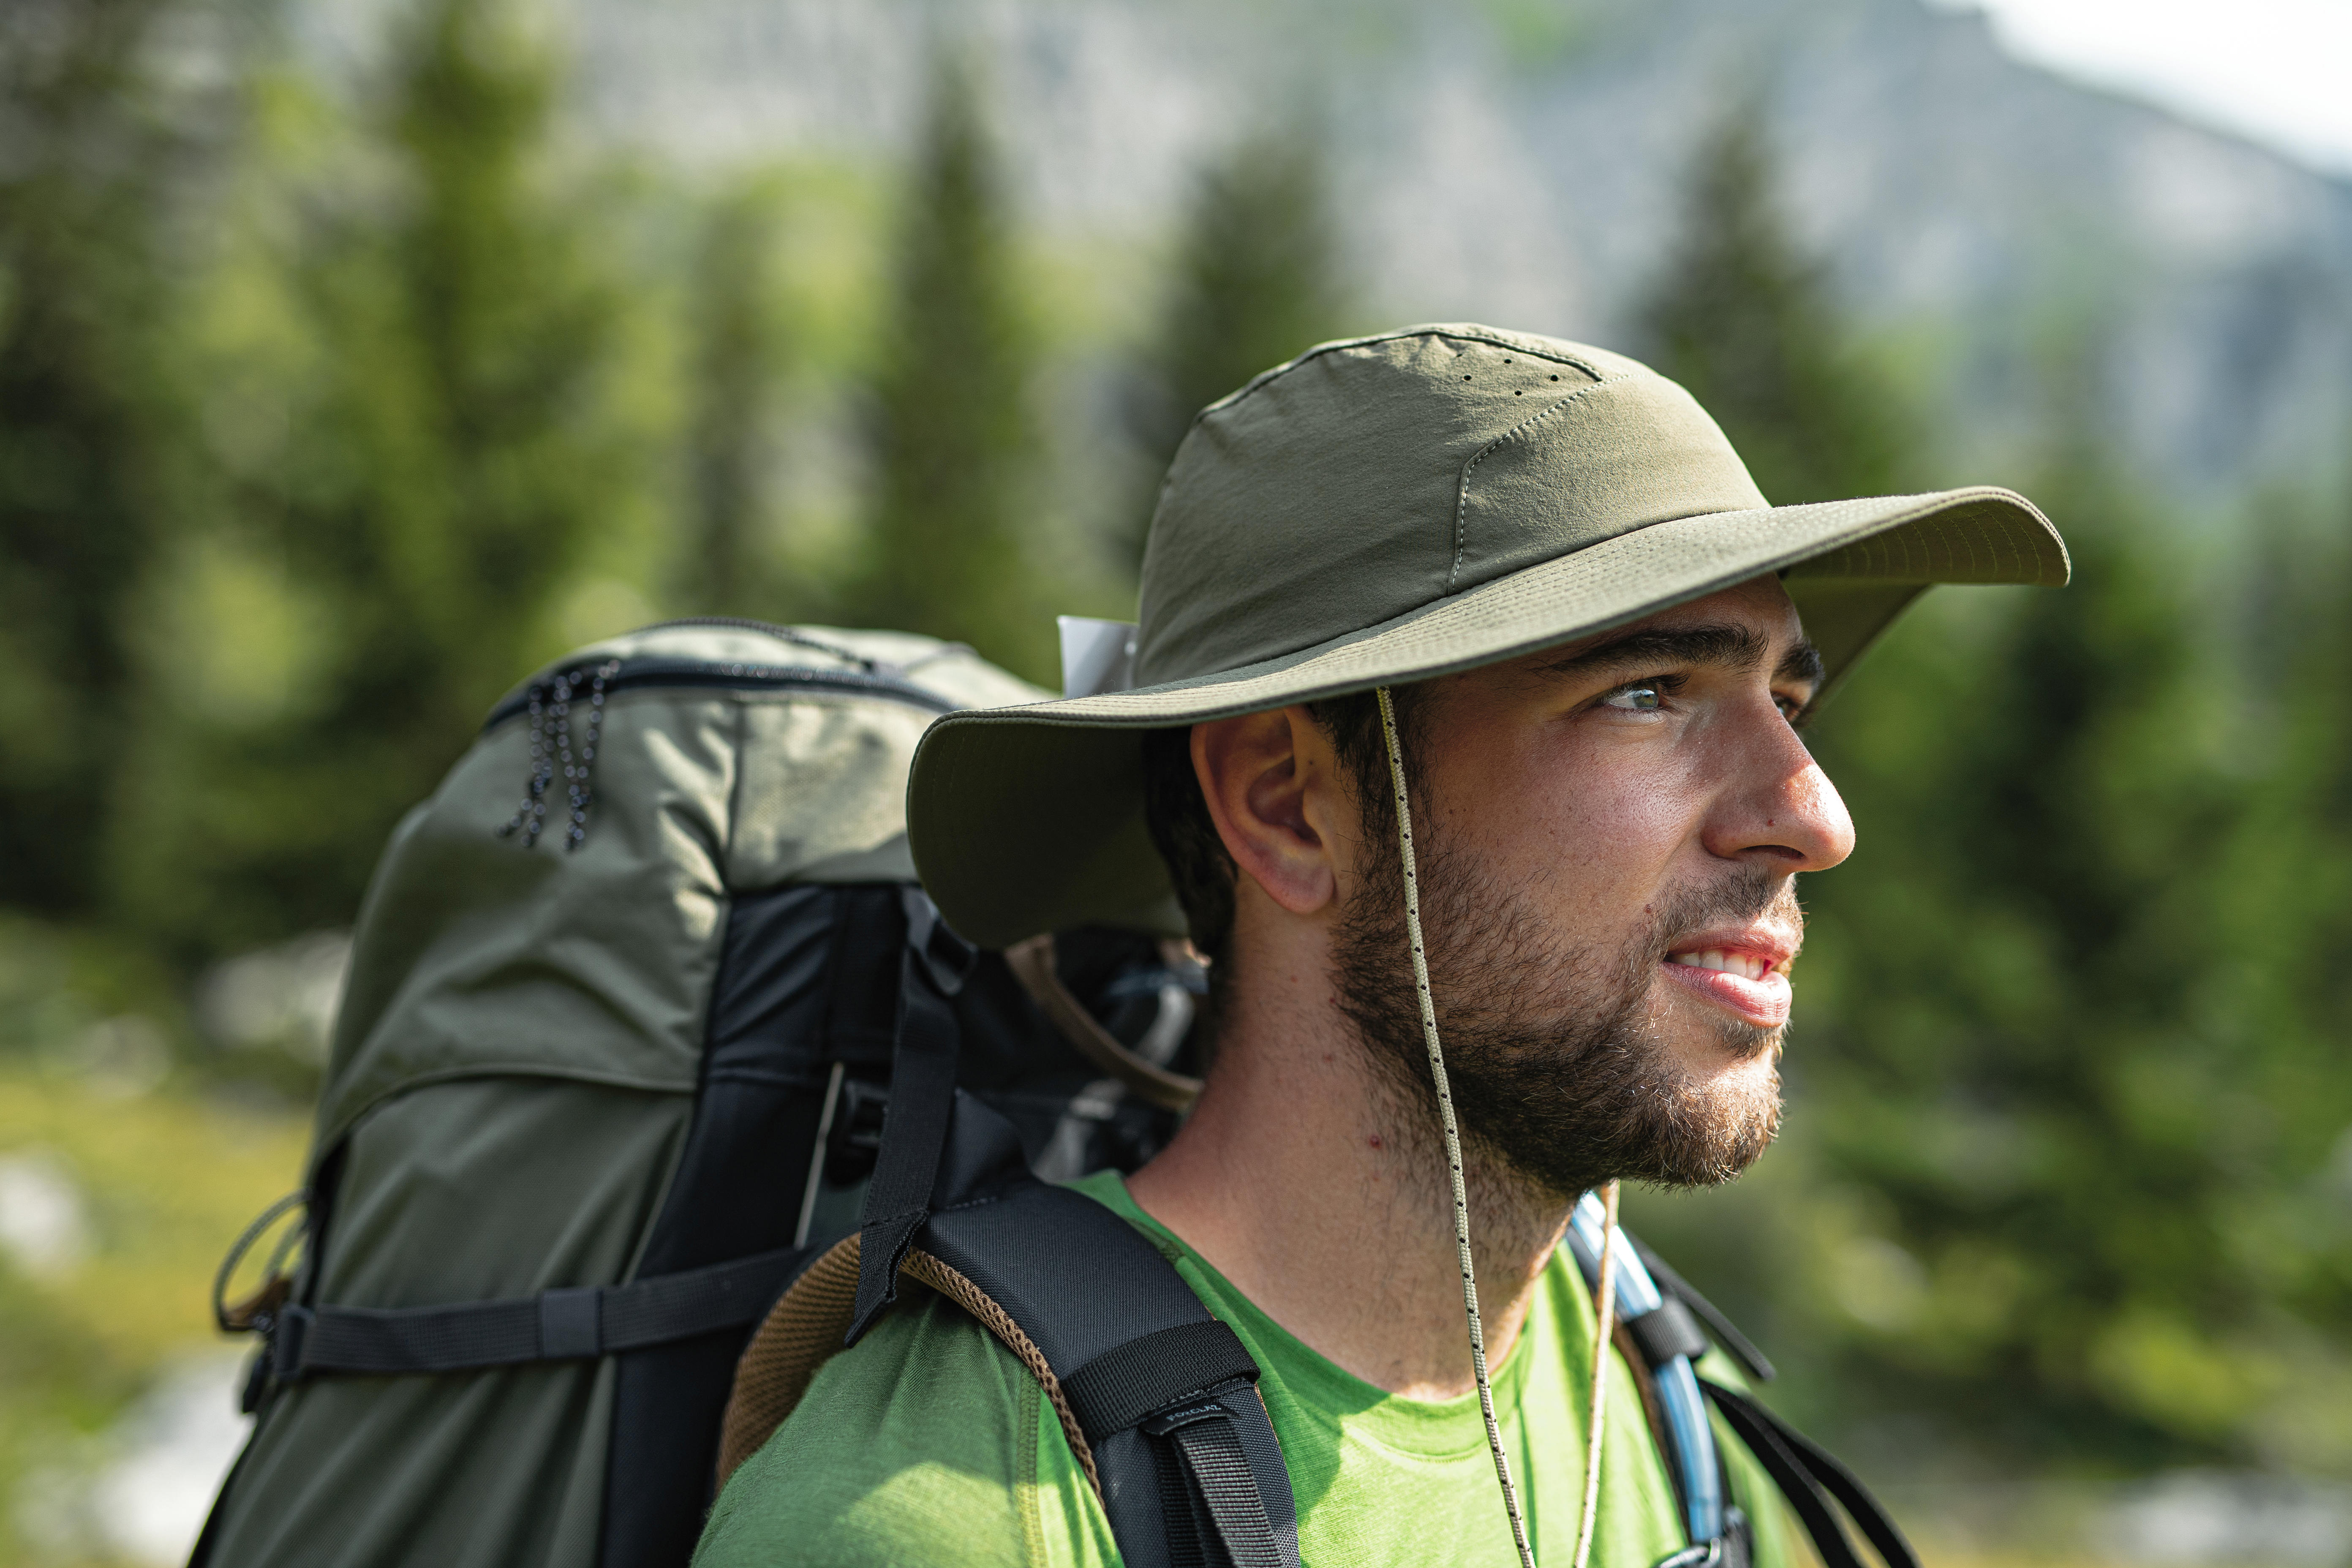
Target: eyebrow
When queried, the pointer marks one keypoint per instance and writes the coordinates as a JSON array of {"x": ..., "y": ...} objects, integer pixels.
[{"x": 1722, "y": 643}]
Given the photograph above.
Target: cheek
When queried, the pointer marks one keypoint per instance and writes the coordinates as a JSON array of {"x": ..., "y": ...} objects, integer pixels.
[{"x": 1587, "y": 827}]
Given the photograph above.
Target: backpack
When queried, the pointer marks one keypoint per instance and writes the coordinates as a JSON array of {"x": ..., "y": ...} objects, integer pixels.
[{"x": 611, "y": 1069}]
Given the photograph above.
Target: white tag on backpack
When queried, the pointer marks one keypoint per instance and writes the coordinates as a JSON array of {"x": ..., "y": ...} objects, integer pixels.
[{"x": 1097, "y": 657}]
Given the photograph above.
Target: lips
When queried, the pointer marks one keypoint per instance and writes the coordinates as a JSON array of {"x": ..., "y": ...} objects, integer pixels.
[{"x": 1747, "y": 975}]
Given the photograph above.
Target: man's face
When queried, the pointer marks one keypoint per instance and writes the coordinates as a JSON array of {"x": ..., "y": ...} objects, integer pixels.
[{"x": 1607, "y": 837}]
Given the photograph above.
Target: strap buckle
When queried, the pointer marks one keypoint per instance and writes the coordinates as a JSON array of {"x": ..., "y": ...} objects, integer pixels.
[
  {"x": 946, "y": 957},
  {"x": 287, "y": 1338},
  {"x": 571, "y": 1326}
]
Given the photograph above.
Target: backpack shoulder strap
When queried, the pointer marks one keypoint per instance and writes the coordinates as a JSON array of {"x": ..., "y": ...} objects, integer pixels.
[
  {"x": 1162, "y": 1394},
  {"x": 1156, "y": 1397}
]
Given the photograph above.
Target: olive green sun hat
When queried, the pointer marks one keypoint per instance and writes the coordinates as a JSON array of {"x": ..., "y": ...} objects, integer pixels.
[{"x": 1385, "y": 509}]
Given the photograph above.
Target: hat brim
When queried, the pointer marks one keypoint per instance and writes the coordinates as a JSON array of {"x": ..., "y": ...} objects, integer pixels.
[{"x": 1031, "y": 819}]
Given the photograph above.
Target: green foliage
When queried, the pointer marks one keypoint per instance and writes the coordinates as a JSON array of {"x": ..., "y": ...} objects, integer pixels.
[
  {"x": 85, "y": 415},
  {"x": 955, "y": 442},
  {"x": 2064, "y": 1092},
  {"x": 1740, "y": 317},
  {"x": 740, "y": 347},
  {"x": 2007, "y": 1049},
  {"x": 454, "y": 453},
  {"x": 2068, "y": 1030},
  {"x": 1259, "y": 279}
]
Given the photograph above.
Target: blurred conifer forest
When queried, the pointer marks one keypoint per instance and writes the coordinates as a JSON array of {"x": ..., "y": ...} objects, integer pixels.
[{"x": 326, "y": 415}]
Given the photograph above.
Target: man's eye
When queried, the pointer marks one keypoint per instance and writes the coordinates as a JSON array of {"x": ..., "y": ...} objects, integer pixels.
[{"x": 1641, "y": 697}]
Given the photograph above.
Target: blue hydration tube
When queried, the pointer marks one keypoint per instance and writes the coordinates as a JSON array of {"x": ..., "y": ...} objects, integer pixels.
[{"x": 1679, "y": 1399}]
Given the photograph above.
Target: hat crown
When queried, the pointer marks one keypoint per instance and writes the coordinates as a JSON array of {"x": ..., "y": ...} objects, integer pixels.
[{"x": 1366, "y": 480}]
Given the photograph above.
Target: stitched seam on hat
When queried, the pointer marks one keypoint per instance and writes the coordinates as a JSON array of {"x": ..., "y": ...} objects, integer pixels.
[
  {"x": 1262, "y": 377},
  {"x": 1461, "y": 491}
]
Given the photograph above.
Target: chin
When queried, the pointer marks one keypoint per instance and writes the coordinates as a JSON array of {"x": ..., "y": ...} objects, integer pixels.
[
  {"x": 1729, "y": 1110},
  {"x": 1747, "y": 1090},
  {"x": 1717, "y": 1048}
]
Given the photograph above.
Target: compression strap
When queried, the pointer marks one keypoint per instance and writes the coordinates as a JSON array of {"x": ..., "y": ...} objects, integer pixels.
[{"x": 1453, "y": 1135}]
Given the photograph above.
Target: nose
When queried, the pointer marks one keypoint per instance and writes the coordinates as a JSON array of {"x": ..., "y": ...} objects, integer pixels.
[{"x": 1777, "y": 808}]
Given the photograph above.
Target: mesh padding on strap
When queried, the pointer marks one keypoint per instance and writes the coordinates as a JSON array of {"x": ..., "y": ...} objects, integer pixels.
[
  {"x": 800, "y": 1334},
  {"x": 804, "y": 1330},
  {"x": 921, "y": 1265}
]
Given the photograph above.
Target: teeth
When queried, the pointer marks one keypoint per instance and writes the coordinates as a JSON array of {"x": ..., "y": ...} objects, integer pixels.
[{"x": 1746, "y": 965}]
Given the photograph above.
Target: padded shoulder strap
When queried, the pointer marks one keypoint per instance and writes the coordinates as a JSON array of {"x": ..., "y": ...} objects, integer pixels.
[
  {"x": 1163, "y": 1393},
  {"x": 1156, "y": 1397}
]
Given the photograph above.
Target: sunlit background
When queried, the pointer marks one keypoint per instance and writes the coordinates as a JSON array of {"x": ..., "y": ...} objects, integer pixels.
[{"x": 356, "y": 357}]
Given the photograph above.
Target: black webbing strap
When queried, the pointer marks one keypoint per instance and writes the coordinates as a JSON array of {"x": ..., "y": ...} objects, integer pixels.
[
  {"x": 1208, "y": 1484},
  {"x": 922, "y": 1096},
  {"x": 1809, "y": 1475},
  {"x": 1127, "y": 1382},
  {"x": 1167, "y": 1382},
  {"x": 568, "y": 1324}
]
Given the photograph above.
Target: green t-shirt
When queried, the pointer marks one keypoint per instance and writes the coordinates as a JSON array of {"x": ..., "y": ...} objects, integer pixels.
[{"x": 928, "y": 1444}]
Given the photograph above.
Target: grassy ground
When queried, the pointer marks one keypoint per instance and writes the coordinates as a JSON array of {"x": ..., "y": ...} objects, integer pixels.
[{"x": 165, "y": 1179}]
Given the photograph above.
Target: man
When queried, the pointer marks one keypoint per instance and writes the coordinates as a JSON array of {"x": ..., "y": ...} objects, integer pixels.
[{"x": 1597, "y": 642}]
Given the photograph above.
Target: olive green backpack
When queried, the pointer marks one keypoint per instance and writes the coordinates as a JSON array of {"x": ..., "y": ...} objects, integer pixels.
[{"x": 611, "y": 1068}]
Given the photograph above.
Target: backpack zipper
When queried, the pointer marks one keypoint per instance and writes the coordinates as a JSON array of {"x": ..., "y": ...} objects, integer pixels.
[{"x": 634, "y": 673}]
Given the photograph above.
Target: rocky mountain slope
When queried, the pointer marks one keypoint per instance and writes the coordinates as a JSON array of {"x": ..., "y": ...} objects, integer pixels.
[{"x": 1517, "y": 161}]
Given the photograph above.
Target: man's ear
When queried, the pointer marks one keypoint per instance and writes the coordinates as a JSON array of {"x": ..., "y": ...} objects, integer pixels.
[{"x": 1272, "y": 789}]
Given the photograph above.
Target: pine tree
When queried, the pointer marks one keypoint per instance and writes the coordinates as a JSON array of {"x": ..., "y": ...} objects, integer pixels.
[
  {"x": 739, "y": 353},
  {"x": 1742, "y": 320},
  {"x": 954, "y": 436},
  {"x": 455, "y": 459},
  {"x": 86, "y": 417},
  {"x": 1259, "y": 279}
]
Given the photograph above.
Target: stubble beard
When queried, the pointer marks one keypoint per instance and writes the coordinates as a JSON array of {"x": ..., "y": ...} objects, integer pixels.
[{"x": 1552, "y": 1055}]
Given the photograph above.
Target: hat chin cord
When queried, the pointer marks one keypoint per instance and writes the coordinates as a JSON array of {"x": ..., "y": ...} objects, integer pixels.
[{"x": 1605, "y": 1289}]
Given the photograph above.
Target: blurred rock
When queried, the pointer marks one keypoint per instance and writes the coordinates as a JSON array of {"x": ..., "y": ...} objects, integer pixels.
[
  {"x": 44, "y": 1225},
  {"x": 121, "y": 1058},
  {"x": 282, "y": 997},
  {"x": 2222, "y": 1516},
  {"x": 140, "y": 1493}
]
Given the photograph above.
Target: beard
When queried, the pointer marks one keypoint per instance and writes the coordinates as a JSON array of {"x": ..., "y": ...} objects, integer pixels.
[{"x": 1553, "y": 1056}]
